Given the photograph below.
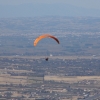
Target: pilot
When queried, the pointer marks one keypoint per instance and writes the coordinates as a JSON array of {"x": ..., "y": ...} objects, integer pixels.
[{"x": 46, "y": 59}]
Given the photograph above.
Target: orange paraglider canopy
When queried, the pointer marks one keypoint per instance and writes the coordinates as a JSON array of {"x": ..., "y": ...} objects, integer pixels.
[{"x": 44, "y": 36}]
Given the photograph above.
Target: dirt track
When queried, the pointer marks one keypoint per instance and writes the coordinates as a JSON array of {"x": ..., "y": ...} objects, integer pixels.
[{"x": 54, "y": 57}]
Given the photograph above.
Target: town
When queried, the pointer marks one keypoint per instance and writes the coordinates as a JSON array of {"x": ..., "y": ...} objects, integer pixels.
[{"x": 56, "y": 79}]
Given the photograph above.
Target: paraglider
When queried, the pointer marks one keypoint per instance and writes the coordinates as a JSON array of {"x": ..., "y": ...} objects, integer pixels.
[
  {"x": 42, "y": 37},
  {"x": 45, "y": 36}
]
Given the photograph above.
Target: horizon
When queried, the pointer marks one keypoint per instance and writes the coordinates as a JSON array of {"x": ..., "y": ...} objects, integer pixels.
[{"x": 42, "y": 8}]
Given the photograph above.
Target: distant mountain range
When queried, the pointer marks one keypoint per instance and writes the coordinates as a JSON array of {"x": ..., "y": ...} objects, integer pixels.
[{"x": 32, "y": 10}]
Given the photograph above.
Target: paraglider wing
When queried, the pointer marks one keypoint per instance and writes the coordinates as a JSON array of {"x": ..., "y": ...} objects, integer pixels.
[{"x": 44, "y": 36}]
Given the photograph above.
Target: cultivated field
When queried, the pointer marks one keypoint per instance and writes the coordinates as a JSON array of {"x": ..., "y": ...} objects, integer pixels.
[
  {"x": 10, "y": 79},
  {"x": 71, "y": 79}
]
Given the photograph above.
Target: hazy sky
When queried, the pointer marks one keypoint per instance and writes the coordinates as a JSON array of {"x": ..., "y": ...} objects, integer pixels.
[
  {"x": 81, "y": 3},
  {"x": 31, "y": 8}
]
